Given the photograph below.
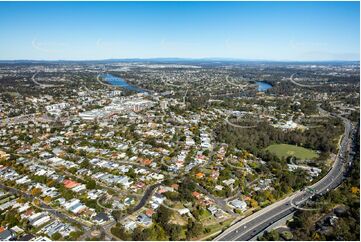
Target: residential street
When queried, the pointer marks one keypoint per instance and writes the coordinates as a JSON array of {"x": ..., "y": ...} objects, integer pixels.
[{"x": 257, "y": 222}]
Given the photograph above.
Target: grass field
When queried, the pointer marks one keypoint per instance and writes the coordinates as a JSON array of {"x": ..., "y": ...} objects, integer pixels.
[{"x": 284, "y": 150}]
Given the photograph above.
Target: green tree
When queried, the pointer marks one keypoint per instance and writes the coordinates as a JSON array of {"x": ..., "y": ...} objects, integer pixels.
[
  {"x": 56, "y": 236},
  {"x": 91, "y": 184}
]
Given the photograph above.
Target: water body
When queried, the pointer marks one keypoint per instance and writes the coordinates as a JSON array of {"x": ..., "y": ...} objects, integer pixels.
[
  {"x": 263, "y": 86},
  {"x": 117, "y": 81}
]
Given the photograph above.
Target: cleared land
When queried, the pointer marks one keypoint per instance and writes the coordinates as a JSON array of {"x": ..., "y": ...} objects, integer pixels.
[{"x": 285, "y": 150}]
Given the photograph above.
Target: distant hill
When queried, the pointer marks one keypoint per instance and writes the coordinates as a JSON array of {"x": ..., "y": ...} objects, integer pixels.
[{"x": 179, "y": 60}]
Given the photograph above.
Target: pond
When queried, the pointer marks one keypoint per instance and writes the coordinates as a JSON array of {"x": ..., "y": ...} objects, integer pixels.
[{"x": 263, "y": 86}]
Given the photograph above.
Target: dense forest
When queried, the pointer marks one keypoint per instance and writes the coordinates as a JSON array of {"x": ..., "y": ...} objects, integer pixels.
[{"x": 323, "y": 139}]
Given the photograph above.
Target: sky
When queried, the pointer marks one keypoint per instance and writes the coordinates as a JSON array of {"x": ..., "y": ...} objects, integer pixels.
[{"x": 298, "y": 31}]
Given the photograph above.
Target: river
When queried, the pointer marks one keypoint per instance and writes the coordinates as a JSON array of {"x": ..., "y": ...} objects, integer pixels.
[{"x": 117, "y": 81}]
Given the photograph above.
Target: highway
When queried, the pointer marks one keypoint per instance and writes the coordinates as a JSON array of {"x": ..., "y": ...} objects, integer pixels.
[
  {"x": 43, "y": 85},
  {"x": 249, "y": 227},
  {"x": 299, "y": 84}
]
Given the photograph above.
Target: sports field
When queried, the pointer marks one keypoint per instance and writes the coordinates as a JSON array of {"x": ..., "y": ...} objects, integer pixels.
[{"x": 285, "y": 150}]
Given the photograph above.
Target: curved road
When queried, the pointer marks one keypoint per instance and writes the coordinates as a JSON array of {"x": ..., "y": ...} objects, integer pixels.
[
  {"x": 299, "y": 84},
  {"x": 43, "y": 85},
  {"x": 249, "y": 227},
  {"x": 43, "y": 205},
  {"x": 147, "y": 194},
  {"x": 239, "y": 126}
]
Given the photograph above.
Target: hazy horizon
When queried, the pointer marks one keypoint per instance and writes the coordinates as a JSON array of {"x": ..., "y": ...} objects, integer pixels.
[
  {"x": 255, "y": 31},
  {"x": 171, "y": 59}
]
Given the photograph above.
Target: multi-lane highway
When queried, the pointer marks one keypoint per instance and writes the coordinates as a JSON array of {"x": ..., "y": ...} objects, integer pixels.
[
  {"x": 299, "y": 84},
  {"x": 249, "y": 227}
]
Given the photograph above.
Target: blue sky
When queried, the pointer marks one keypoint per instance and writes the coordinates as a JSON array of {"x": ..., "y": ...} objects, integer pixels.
[{"x": 243, "y": 30}]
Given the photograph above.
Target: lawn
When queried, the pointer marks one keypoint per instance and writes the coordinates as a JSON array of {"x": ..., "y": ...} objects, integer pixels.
[{"x": 284, "y": 150}]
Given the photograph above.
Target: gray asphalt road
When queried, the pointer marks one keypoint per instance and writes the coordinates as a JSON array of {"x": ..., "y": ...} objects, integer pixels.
[
  {"x": 220, "y": 202},
  {"x": 43, "y": 205},
  {"x": 254, "y": 224},
  {"x": 147, "y": 194}
]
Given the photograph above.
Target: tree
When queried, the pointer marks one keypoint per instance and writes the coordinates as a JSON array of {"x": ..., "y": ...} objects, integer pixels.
[
  {"x": 56, "y": 236},
  {"x": 85, "y": 164},
  {"x": 137, "y": 234},
  {"x": 120, "y": 232},
  {"x": 161, "y": 233},
  {"x": 74, "y": 235},
  {"x": 272, "y": 235},
  {"x": 47, "y": 199},
  {"x": 12, "y": 218},
  {"x": 194, "y": 229},
  {"x": 254, "y": 203},
  {"x": 174, "y": 196},
  {"x": 35, "y": 191},
  {"x": 21, "y": 200},
  {"x": 91, "y": 184},
  {"x": 174, "y": 230},
  {"x": 355, "y": 190},
  {"x": 131, "y": 173},
  {"x": 195, "y": 213},
  {"x": 163, "y": 215},
  {"x": 36, "y": 202},
  {"x": 50, "y": 182}
]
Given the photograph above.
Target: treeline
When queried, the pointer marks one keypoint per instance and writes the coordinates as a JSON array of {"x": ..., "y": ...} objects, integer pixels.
[
  {"x": 256, "y": 139},
  {"x": 347, "y": 226},
  {"x": 307, "y": 225}
]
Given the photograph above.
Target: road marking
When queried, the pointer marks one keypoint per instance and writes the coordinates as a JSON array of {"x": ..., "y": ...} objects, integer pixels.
[{"x": 335, "y": 165}]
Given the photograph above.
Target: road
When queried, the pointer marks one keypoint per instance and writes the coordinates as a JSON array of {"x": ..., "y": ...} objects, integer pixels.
[
  {"x": 146, "y": 196},
  {"x": 257, "y": 222},
  {"x": 26, "y": 118},
  {"x": 105, "y": 229},
  {"x": 220, "y": 202},
  {"x": 43, "y": 85},
  {"x": 103, "y": 83},
  {"x": 299, "y": 84},
  {"x": 239, "y": 126},
  {"x": 240, "y": 86},
  {"x": 44, "y": 206}
]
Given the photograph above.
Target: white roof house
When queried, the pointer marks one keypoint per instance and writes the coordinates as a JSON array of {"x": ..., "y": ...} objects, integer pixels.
[
  {"x": 229, "y": 181},
  {"x": 238, "y": 204},
  {"x": 183, "y": 211},
  {"x": 41, "y": 221},
  {"x": 130, "y": 225}
]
